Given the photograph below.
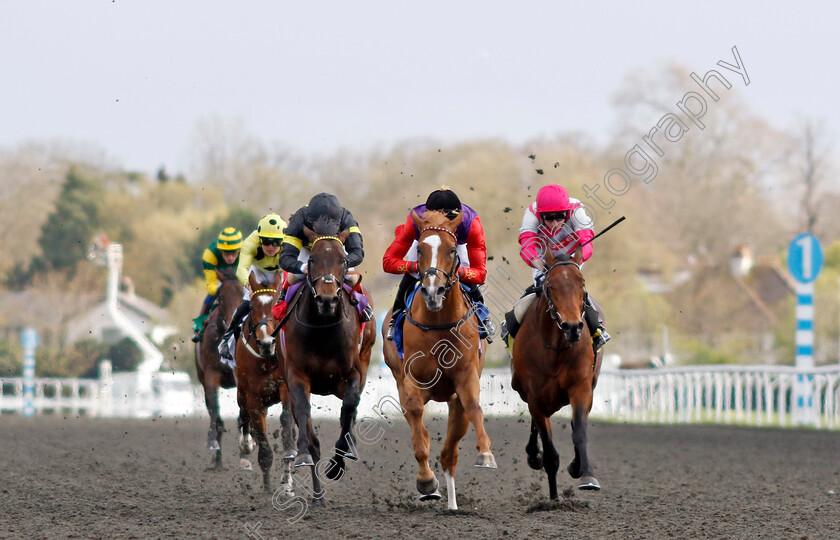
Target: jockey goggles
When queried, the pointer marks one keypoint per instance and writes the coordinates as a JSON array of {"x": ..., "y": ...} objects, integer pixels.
[
  {"x": 555, "y": 216},
  {"x": 270, "y": 241}
]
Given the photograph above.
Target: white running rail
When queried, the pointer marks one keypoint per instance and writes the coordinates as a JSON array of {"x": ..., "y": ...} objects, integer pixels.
[{"x": 726, "y": 394}]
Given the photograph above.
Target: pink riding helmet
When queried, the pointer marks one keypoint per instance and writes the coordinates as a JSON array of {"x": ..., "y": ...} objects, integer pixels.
[{"x": 553, "y": 198}]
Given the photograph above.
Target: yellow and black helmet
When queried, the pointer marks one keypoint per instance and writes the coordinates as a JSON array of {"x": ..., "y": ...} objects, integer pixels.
[
  {"x": 229, "y": 239},
  {"x": 271, "y": 226}
]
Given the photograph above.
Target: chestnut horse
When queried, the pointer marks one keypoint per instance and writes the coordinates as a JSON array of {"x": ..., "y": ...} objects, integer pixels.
[
  {"x": 260, "y": 383},
  {"x": 324, "y": 351},
  {"x": 442, "y": 360},
  {"x": 212, "y": 373},
  {"x": 554, "y": 365}
]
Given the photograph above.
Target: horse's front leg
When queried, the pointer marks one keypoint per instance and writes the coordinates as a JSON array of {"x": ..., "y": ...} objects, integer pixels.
[
  {"x": 535, "y": 457},
  {"x": 412, "y": 403},
  {"x": 468, "y": 388},
  {"x": 265, "y": 455},
  {"x": 300, "y": 399},
  {"x": 581, "y": 467},
  {"x": 287, "y": 423},
  {"x": 456, "y": 429},
  {"x": 246, "y": 442},
  {"x": 214, "y": 434},
  {"x": 551, "y": 460},
  {"x": 345, "y": 447}
]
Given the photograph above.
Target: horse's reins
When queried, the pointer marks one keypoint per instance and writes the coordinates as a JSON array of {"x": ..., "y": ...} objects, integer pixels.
[
  {"x": 310, "y": 282},
  {"x": 552, "y": 310},
  {"x": 434, "y": 271},
  {"x": 326, "y": 278}
]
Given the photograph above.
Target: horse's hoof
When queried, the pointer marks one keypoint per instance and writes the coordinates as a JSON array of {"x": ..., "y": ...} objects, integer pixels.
[
  {"x": 336, "y": 468},
  {"x": 431, "y": 496},
  {"x": 589, "y": 483},
  {"x": 213, "y": 445},
  {"x": 349, "y": 454},
  {"x": 486, "y": 461},
  {"x": 428, "y": 487},
  {"x": 536, "y": 462},
  {"x": 289, "y": 454},
  {"x": 247, "y": 446},
  {"x": 304, "y": 460},
  {"x": 319, "y": 502},
  {"x": 245, "y": 465}
]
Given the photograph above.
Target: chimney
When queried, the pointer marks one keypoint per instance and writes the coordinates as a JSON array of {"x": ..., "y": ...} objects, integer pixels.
[{"x": 741, "y": 261}]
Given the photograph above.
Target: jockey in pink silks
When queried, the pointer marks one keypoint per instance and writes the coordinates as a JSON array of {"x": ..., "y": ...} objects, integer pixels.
[{"x": 560, "y": 224}]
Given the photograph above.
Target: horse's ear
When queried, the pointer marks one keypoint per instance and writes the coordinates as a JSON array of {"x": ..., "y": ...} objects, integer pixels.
[
  {"x": 343, "y": 235},
  {"x": 220, "y": 276},
  {"x": 278, "y": 279},
  {"x": 550, "y": 259},
  {"x": 310, "y": 234},
  {"x": 577, "y": 257},
  {"x": 254, "y": 282},
  {"x": 457, "y": 221},
  {"x": 418, "y": 221}
]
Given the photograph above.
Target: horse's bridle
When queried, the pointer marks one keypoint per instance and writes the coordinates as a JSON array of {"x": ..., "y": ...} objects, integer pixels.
[
  {"x": 326, "y": 278},
  {"x": 252, "y": 326},
  {"x": 452, "y": 275},
  {"x": 552, "y": 310}
]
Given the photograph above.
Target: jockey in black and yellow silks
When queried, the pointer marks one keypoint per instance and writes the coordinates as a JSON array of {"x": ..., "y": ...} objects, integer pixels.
[
  {"x": 295, "y": 252},
  {"x": 260, "y": 255}
]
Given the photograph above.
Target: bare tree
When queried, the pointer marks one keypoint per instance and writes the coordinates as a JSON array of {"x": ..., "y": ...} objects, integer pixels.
[{"x": 809, "y": 153}]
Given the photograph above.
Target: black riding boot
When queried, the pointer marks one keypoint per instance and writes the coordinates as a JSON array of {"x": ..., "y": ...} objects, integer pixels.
[
  {"x": 234, "y": 327},
  {"x": 596, "y": 326},
  {"x": 406, "y": 284}
]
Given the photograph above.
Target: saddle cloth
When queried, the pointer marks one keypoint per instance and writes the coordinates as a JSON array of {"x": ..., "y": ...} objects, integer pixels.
[{"x": 480, "y": 310}]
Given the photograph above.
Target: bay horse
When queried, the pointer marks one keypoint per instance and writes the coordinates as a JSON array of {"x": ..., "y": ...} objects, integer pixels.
[
  {"x": 443, "y": 359},
  {"x": 554, "y": 365},
  {"x": 212, "y": 373},
  {"x": 324, "y": 351},
  {"x": 261, "y": 382}
]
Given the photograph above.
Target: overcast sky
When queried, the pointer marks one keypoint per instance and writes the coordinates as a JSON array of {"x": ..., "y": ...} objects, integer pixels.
[{"x": 135, "y": 77}]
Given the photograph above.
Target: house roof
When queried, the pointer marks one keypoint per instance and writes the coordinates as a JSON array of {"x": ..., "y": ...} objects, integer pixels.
[{"x": 715, "y": 300}]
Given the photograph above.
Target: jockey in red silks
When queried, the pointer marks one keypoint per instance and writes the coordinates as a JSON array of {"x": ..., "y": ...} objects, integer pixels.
[
  {"x": 558, "y": 223},
  {"x": 401, "y": 255}
]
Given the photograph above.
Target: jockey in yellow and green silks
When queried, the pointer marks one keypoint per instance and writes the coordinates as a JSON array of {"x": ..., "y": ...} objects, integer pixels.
[{"x": 221, "y": 254}]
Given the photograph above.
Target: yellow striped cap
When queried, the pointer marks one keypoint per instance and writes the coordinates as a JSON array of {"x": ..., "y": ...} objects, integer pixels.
[{"x": 229, "y": 239}]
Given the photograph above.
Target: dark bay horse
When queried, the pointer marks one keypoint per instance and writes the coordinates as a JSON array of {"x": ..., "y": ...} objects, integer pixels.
[
  {"x": 324, "y": 351},
  {"x": 212, "y": 373},
  {"x": 554, "y": 365},
  {"x": 442, "y": 360},
  {"x": 260, "y": 383}
]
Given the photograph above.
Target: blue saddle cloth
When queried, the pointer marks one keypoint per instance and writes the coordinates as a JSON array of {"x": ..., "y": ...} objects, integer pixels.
[{"x": 479, "y": 309}]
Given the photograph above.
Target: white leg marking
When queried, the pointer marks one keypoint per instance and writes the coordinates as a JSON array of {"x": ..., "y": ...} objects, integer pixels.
[{"x": 450, "y": 490}]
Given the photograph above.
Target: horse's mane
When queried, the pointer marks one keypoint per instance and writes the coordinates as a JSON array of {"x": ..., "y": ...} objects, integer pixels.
[
  {"x": 435, "y": 218},
  {"x": 326, "y": 226},
  {"x": 228, "y": 272}
]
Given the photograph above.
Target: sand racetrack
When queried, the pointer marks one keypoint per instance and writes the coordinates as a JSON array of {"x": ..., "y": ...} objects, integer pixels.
[{"x": 97, "y": 478}]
